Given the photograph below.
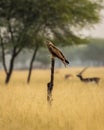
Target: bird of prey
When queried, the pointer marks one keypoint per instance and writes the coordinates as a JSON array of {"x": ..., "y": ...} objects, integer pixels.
[{"x": 56, "y": 52}]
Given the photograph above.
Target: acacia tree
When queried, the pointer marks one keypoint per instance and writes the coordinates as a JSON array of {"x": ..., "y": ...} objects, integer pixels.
[
  {"x": 14, "y": 35},
  {"x": 25, "y": 21},
  {"x": 12, "y": 45}
]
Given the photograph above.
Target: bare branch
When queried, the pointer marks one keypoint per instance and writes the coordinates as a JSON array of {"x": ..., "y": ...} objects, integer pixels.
[
  {"x": 18, "y": 51},
  {"x": 10, "y": 30}
]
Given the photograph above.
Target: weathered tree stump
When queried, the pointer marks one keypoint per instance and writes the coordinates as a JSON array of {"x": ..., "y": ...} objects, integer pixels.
[{"x": 51, "y": 83}]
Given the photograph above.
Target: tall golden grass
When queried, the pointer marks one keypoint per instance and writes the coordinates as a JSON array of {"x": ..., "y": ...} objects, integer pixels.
[{"x": 75, "y": 105}]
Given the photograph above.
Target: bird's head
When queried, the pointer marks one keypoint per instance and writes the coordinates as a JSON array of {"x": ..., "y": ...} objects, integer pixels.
[{"x": 49, "y": 43}]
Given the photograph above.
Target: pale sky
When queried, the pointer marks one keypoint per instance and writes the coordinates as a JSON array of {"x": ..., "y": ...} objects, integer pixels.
[{"x": 98, "y": 30}]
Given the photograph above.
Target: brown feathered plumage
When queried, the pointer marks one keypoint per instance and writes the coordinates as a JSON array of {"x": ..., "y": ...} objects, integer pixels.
[{"x": 56, "y": 52}]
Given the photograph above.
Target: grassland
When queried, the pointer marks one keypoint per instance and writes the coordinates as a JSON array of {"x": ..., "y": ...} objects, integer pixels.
[{"x": 75, "y": 106}]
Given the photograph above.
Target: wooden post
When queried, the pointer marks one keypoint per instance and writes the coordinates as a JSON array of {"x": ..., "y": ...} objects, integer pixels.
[{"x": 51, "y": 83}]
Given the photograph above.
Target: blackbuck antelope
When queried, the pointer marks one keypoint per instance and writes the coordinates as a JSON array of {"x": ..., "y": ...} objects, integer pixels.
[{"x": 89, "y": 79}]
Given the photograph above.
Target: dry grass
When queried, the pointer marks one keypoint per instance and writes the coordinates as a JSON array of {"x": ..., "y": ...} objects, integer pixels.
[{"x": 75, "y": 106}]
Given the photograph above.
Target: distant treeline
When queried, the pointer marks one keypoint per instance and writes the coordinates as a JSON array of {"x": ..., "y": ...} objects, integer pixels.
[{"x": 91, "y": 54}]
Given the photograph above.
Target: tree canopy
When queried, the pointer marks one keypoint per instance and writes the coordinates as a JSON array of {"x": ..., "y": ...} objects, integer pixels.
[{"x": 38, "y": 18}]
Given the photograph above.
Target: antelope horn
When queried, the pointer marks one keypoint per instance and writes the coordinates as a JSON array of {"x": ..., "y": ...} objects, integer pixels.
[{"x": 83, "y": 70}]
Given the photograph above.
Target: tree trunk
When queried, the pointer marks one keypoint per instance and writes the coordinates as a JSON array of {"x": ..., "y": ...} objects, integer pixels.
[
  {"x": 8, "y": 76},
  {"x": 10, "y": 70},
  {"x": 51, "y": 83},
  {"x": 31, "y": 64}
]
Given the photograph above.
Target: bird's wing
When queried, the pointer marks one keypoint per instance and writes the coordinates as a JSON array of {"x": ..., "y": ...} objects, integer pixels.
[{"x": 56, "y": 52}]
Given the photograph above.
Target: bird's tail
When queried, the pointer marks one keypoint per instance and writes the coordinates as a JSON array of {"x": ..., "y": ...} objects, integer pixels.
[{"x": 67, "y": 61}]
